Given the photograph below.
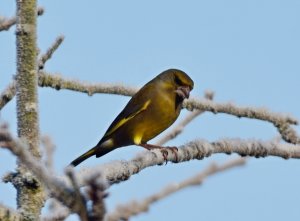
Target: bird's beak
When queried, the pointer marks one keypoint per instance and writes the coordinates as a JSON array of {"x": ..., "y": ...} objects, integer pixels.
[{"x": 183, "y": 91}]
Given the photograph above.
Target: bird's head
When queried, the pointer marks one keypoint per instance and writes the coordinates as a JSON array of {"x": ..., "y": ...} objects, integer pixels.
[
  {"x": 183, "y": 84},
  {"x": 179, "y": 81}
]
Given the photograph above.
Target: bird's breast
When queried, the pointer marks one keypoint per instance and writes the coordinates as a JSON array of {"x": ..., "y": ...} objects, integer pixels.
[{"x": 160, "y": 114}]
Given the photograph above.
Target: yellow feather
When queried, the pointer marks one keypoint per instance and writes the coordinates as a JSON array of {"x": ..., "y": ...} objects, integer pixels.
[{"x": 124, "y": 120}]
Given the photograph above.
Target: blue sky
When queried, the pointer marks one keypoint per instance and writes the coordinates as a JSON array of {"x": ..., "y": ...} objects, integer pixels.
[{"x": 248, "y": 52}]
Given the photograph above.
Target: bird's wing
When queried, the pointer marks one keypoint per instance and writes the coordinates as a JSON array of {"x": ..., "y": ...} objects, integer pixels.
[{"x": 130, "y": 111}]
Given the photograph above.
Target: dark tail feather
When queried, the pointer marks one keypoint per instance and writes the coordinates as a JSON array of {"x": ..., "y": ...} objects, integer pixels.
[
  {"x": 98, "y": 151},
  {"x": 83, "y": 157}
]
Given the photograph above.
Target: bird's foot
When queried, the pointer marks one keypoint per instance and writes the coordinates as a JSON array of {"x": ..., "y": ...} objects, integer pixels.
[{"x": 163, "y": 150}]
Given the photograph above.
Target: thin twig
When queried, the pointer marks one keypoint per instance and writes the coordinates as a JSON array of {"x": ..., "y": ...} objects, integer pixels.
[
  {"x": 57, "y": 211},
  {"x": 46, "y": 56},
  {"x": 80, "y": 200},
  {"x": 10, "y": 91},
  {"x": 281, "y": 122},
  {"x": 96, "y": 193},
  {"x": 49, "y": 151},
  {"x": 7, "y": 94},
  {"x": 9, "y": 214},
  {"x": 58, "y": 82},
  {"x": 6, "y": 24},
  {"x": 125, "y": 211}
]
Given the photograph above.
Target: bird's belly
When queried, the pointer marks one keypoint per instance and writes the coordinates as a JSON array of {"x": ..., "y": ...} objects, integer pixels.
[{"x": 148, "y": 128}]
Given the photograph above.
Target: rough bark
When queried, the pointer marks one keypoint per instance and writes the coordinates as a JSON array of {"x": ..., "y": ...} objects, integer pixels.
[{"x": 30, "y": 192}]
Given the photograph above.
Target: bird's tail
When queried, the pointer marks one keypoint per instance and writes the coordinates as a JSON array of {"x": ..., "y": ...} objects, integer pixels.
[{"x": 98, "y": 151}]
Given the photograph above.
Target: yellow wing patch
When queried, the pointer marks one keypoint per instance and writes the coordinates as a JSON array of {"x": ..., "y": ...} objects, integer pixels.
[{"x": 124, "y": 120}]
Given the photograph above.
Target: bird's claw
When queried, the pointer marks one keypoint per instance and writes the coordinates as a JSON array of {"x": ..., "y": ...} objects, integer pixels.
[
  {"x": 165, "y": 153},
  {"x": 163, "y": 150}
]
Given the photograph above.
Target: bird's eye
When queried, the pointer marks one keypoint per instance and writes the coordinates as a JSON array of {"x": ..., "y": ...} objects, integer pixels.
[{"x": 177, "y": 80}]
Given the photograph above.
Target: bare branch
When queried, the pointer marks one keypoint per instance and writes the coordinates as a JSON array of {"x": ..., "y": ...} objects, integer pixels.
[
  {"x": 96, "y": 193},
  {"x": 124, "y": 212},
  {"x": 49, "y": 151},
  {"x": 80, "y": 200},
  {"x": 6, "y": 24},
  {"x": 9, "y": 214},
  {"x": 8, "y": 94},
  {"x": 10, "y": 91},
  {"x": 119, "y": 171},
  {"x": 280, "y": 121},
  {"x": 27, "y": 107},
  {"x": 45, "y": 57},
  {"x": 57, "y": 188},
  {"x": 58, "y": 82},
  {"x": 57, "y": 211},
  {"x": 178, "y": 129}
]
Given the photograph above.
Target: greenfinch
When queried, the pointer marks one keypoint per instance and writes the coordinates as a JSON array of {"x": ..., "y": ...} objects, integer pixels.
[{"x": 149, "y": 112}]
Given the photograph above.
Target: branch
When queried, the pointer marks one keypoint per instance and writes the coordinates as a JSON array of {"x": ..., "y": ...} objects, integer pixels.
[
  {"x": 10, "y": 91},
  {"x": 45, "y": 57},
  {"x": 124, "y": 212},
  {"x": 27, "y": 107},
  {"x": 57, "y": 211},
  {"x": 58, "y": 82},
  {"x": 8, "y": 94},
  {"x": 58, "y": 189},
  {"x": 119, "y": 171},
  {"x": 49, "y": 148},
  {"x": 9, "y": 214},
  {"x": 79, "y": 199},
  {"x": 280, "y": 121},
  {"x": 6, "y": 24},
  {"x": 96, "y": 193}
]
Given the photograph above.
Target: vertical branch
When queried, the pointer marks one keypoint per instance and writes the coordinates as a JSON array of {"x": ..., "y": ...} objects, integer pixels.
[{"x": 30, "y": 194}]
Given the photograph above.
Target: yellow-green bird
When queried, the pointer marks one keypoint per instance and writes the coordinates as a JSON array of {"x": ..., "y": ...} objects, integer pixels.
[{"x": 149, "y": 112}]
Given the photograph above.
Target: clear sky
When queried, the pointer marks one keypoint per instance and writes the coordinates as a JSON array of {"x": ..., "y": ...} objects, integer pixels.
[{"x": 246, "y": 51}]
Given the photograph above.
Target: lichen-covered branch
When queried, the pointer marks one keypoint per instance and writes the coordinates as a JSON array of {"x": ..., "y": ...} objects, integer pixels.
[
  {"x": 8, "y": 94},
  {"x": 45, "y": 57},
  {"x": 119, "y": 171},
  {"x": 20, "y": 150},
  {"x": 8, "y": 214},
  {"x": 78, "y": 198},
  {"x": 96, "y": 193},
  {"x": 49, "y": 148},
  {"x": 58, "y": 82},
  {"x": 125, "y": 211},
  {"x": 62, "y": 191},
  {"x": 281, "y": 122},
  {"x": 57, "y": 211},
  {"x": 27, "y": 107},
  {"x": 6, "y": 24},
  {"x": 10, "y": 91}
]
